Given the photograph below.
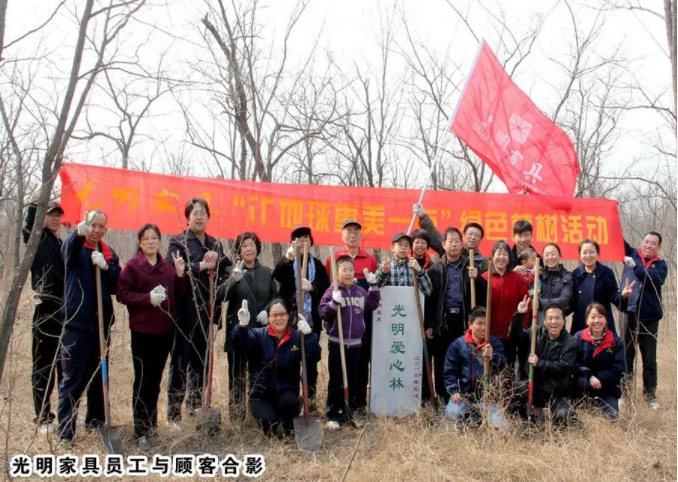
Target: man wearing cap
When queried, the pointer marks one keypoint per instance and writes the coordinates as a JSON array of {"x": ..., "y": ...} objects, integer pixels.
[
  {"x": 351, "y": 235},
  {"x": 399, "y": 271},
  {"x": 314, "y": 284},
  {"x": 47, "y": 281}
]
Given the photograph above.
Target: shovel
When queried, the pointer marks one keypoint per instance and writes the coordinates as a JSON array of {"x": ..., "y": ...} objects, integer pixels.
[
  {"x": 110, "y": 436},
  {"x": 308, "y": 431},
  {"x": 209, "y": 418}
]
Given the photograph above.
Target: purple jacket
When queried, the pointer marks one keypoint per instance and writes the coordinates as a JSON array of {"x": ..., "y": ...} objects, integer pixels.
[
  {"x": 356, "y": 302},
  {"x": 136, "y": 281}
]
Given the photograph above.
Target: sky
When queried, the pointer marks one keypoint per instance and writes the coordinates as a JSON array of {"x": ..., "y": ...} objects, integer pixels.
[{"x": 349, "y": 31}]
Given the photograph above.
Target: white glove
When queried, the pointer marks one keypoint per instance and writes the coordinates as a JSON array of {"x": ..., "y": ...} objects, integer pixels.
[
  {"x": 244, "y": 315},
  {"x": 418, "y": 209},
  {"x": 370, "y": 277},
  {"x": 83, "y": 228},
  {"x": 98, "y": 260},
  {"x": 628, "y": 261},
  {"x": 238, "y": 272},
  {"x": 303, "y": 326},
  {"x": 337, "y": 298},
  {"x": 306, "y": 285},
  {"x": 158, "y": 295},
  {"x": 262, "y": 318},
  {"x": 291, "y": 251}
]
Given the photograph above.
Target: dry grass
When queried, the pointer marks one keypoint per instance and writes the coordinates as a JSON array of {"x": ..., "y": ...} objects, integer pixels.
[{"x": 641, "y": 446}]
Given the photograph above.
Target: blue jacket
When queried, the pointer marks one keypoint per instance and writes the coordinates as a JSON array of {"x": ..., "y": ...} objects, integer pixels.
[
  {"x": 599, "y": 287},
  {"x": 79, "y": 306},
  {"x": 607, "y": 362},
  {"x": 274, "y": 365},
  {"x": 645, "y": 300},
  {"x": 464, "y": 365}
]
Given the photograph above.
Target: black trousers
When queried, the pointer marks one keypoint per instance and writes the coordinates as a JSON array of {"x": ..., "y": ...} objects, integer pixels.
[
  {"x": 237, "y": 384},
  {"x": 270, "y": 410},
  {"x": 335, "y": 388},
  {"x": 363, "y": 369},
  {"x": 187, "y": 368},
  {"x": 642, "y": 334},
  {"x": 560, "y": 406},
  {"x": 81, "y": 371},
  {"x": 46, "y": 362},
  {"x": 452, "y": 327},
  {"x": 312, "y": 369},
  {"x": 149, "y": 355}
]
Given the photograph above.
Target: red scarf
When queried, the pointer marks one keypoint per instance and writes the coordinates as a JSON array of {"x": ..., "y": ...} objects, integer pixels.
[
  {"x": 468, "y": 338},
  {"x": 285, "y": 337},
  {"x": 647, "y": 262},
  {"x": 105, "y": 250},
  {"x": 605, "y": 343}
]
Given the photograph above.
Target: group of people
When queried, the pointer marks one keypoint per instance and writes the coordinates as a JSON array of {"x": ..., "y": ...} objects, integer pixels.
[{"x": 173, "y": 299}]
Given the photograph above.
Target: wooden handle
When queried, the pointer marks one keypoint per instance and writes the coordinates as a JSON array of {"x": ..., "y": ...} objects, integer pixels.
[
  {"x": 473, "y": 281},
  {"x": 340, "y": 325},
  {"x": 535, "y": 310}
]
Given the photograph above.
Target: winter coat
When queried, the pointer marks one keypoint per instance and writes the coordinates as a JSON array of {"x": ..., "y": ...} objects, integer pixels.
[
  {"x": 435, "y": 304},
  {"x": 508, "y": 290},
  {"x": 274, "y": 365},
  {"x": 257, "y": 286},
  {"x": 600, "y": 286},
  {"x": 47, "y": 270},
  {"x": 137, "y": 279},
  {"x": 556, "y": 287},
  {"x": 79, "y": 306},
  {"x": 284, "y": 275},
  {"x": 194, "y": 307},
  {"x": 356, "y": 302},
  {"x": 650, "y": 275},
  {"x": 553, "y": 375},
  {"x": 465, "y": 365},
  {"x": 606, "y": 362},
  {"x": 514, "y": 254}
]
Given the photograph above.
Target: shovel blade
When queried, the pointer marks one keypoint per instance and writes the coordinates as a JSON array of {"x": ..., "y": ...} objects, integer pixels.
[
  {"x": 110, "y": 437},
  {"x": 209, "y": 420},
  {"x": 308, "y": 433}
]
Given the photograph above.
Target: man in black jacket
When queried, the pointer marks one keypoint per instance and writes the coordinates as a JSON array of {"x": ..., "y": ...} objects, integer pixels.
[
  {"x": 554, "y": 362},
  {"x": 47, "y": 281},
  {"x": 313, "y": 285},
  {"x": 449, "y": 305},
  {"x": 203, "y": 255}
]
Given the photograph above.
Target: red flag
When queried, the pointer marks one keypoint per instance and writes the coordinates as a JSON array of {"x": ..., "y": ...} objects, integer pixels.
[{"x": 508, "y": 132}]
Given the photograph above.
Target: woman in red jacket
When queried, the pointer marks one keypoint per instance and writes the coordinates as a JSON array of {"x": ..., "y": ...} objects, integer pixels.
[
  {"x": 150, "y": 286},
  {"x": 508, "y": 289}
]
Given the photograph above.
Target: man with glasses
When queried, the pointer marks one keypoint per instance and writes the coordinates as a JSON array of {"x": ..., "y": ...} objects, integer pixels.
[
  {"x": 351, "y": 235},
  {"x": 203, "y": 255}
]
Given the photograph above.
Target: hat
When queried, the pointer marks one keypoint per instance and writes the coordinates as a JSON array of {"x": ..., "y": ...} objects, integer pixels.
[
  {"x": 400, "y": 236},
  {"x": 54, "y": 206},
  {"x": 300, "y": 231},
  {"x": 350, "y": 222}
]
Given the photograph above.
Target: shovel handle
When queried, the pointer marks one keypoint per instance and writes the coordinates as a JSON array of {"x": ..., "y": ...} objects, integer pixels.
[{"x": 102, "y": 348}]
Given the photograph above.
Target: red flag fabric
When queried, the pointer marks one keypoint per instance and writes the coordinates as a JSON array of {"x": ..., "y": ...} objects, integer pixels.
[{"x": 508, "y": 132}]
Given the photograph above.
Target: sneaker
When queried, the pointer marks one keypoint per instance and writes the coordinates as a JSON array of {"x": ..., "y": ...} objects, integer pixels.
[
  {"x": 176, "y": 426},
  {"x": 66, "y": 443},
  {"x": 332, "y": 425},
  {"x": 46, "y": 428},
  {"x": 144, "y": 444},
  {"x": 654, "y": 404}
]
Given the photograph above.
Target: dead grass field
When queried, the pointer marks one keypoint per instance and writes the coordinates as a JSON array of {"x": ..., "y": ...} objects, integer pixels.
[{"x": 641, "y": 446}]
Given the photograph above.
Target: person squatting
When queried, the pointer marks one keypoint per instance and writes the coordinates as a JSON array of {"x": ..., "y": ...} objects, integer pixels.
[{"x": 173, "y": 298}]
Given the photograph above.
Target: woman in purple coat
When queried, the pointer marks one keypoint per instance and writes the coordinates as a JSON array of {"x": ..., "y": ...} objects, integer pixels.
[{"x": 150, "y": 286}]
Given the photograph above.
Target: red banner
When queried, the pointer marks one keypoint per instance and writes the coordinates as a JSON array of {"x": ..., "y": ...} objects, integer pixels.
[
  {"x": 132, "y": 198},
  {"x": 498, "y": 122}
]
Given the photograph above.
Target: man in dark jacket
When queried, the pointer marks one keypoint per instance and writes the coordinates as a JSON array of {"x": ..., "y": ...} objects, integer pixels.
[
  {"x": 47, "y": 281},
  {"x": 203, "y": 255},
  {"x": 644, "y": 309},
  {"x": 314, "y": 285},
  {"x": 450, "y": 302},
  {"x": 465, "y": 368},
  {"x": 85, "y": 252},
  {"x": 522, "y": 239},
  {"x": 554, "y": 362}
]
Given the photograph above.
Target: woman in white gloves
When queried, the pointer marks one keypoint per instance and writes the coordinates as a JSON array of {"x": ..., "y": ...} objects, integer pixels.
[
  {"x": 150, "y": 287},
  {"x": 251, "y": 281},
  {"x": 274, "y": 352}
]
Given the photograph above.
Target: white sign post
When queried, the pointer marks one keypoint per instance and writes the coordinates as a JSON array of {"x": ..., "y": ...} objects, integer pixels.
[{"x": 397, "y": 354}]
